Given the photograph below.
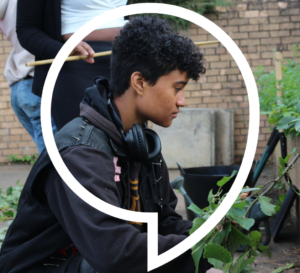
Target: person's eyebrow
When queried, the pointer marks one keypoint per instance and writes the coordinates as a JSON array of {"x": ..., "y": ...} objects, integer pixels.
[{"x": 181, "y": 82}]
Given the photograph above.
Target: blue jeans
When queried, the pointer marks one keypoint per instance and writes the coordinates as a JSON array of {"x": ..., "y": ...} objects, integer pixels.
[{"x": 26, "y": 106}]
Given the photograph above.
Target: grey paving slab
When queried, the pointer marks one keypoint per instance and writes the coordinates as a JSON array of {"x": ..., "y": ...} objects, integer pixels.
[{"x": 10, "y": 174}]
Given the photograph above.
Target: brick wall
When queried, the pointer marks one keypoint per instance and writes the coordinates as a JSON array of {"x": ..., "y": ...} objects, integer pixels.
[
  {"x": 14, "y": 140},
  {"x": 257, "y": 27}
]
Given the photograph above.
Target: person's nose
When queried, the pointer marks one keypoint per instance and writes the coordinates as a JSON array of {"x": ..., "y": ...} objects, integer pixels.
[{"x": 181, "y": 102}]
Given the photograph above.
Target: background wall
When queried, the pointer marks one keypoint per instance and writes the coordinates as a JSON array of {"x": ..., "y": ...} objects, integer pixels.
[
  {"x": 14, "y": 139},
  {"x": 258, "y": 27}
]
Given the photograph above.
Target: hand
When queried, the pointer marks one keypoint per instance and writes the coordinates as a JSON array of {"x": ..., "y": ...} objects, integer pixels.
[
  {"x": 213, "y": 270},
  {"x": 84, "y": 49},
  {"x": 245, "y": 194}
]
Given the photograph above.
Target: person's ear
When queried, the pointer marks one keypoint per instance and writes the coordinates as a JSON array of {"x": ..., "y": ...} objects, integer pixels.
[{"x": 138, "y": 82}]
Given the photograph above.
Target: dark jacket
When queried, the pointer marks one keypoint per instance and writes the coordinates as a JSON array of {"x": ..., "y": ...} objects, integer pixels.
[
  {"x": 50, "y": 216},
  {"x": 39, "y": 32}
]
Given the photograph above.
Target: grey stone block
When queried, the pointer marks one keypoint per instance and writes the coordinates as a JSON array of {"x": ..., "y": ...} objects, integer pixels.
[{"x": 198, "y": 137}]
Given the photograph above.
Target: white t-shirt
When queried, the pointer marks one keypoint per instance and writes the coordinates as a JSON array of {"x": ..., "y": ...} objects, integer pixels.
[
  {"x": 75, "y": 13},
  {"x": 15, "y": 69}
]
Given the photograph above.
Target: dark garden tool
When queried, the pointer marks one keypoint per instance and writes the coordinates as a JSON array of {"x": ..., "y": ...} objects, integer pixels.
[
  {"x": 256, "y": 212},
  {"x": 272, "y": 142}
]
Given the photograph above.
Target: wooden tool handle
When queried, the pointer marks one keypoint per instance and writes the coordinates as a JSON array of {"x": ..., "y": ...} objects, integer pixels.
[{"x": 99, "y": 54}]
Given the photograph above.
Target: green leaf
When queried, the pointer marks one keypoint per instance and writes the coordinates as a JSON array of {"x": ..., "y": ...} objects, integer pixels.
[
  {"x": 247, "y": 269},
  {"x": 241, "y": 263},
  {"x": 240, "y": 237},
  {"x": 249, "y": 189},
  {"x": 226, "y": 267},
  {"x": 297, "y": 126},
  {"x": 197, "y": 222},
  {"x": 8, "y": 213},
  {"x": 281, "y": 197},
  {"x": 286, "y": 160},
  {"x": 266, "y": 207},
  {"x": 217, "y": 252},
  {"x": 218, "y": 238},
  {"x": 281, "y": 161},
  {"x": 255, "y": 237},
  {"x": 237, "y": 215},
  {"x": 216, "y": 263},
  {"x": 239, "y": 205},
  {"x": 197, "y": 251},
  {"x": 248, "y": 202},
  {"x": 212, "y": 205},
  {"x": 9, "y": 191},
  {"x": 210, "y": 196},
  {"x": 254, "y": 252},
  {"x": 196, "y": 209},
  {"x": 298, "y": 107},
  {"x": 225, "y": 179},
  {"x": 282, "y": 268},
  {"x": 284, "y": 123},
  {"x": 265, "y": 249},
  {"x": 225, "y": 232},
  {"x": 272, "y": 120}
]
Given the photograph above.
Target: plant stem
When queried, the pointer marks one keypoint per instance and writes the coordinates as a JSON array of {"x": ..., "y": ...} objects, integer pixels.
[{"x": 274, "y": 182}]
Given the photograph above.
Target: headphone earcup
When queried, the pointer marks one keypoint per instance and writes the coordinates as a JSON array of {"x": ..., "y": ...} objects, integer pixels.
[
  {"x": 137, "y": 143},
  {"x": 154, "y": 144},
  {"x": 143, "y": 143}
]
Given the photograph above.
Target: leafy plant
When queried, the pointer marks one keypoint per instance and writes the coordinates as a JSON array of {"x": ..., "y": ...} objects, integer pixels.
[
  {"x": 9, "y": 202},
  {"x": 3, "y": 232},
  {"x": 282, "y": 268},
  {"x": 234, "y": 230},
  {"x": 199, "y": 6},
  {"x": 24, "y": 159},
  {"x": 283, "y": 112}
]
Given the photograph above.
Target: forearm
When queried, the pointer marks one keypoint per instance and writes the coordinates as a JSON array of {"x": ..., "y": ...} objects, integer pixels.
[{"x": 30, "y": 20}]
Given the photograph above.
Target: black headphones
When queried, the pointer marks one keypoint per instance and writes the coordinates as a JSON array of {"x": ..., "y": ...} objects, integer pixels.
[{"x": 143, "y": 144}]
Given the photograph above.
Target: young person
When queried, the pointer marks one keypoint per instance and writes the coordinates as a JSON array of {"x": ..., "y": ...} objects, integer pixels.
[{"x": 110, "y": 153}]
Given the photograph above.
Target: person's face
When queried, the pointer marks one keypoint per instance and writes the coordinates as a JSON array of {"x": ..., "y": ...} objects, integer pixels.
[{"x": 160, "y": 103}]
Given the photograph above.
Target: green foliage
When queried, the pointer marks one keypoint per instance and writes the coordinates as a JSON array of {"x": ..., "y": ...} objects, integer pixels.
[
  {"x": 265, "y": 205},
  {"x": 8, "y": 207},
  {"x": 234, "y": 230},
  {"x": 217, "y": 252},
  {"x": 30, "y": 159},
  {"x": 223, "y": 241},
  {"x": 282, "y": 268},
  {"x": 9, "y": 202},
  {"x": 225, "y": 179},
  {"x": 199, "y": 6},
  {"x": 3, "y": 232},
  {"x": 286, "y": 114}
]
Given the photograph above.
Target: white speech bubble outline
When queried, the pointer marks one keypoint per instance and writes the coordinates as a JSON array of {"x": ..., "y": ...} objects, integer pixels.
[{"x": 154, "y": 260}]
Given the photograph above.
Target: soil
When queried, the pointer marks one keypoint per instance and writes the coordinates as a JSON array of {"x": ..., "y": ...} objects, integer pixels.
[{"x": 287, "y": 246}]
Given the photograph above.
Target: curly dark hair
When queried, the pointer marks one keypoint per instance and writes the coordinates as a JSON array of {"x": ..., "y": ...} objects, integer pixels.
[{"x": 148, "y": 45}]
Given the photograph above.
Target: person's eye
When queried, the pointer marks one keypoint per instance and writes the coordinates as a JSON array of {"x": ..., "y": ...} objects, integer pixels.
[{"x": 178, "y": 89}]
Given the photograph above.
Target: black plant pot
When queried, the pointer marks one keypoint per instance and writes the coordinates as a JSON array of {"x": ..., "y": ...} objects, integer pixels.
[{"x": 199, "y": 181}]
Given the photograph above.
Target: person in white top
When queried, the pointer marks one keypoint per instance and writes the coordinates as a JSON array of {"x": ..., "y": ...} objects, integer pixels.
[
  {"x": 44, "y": 26},
  {"x": 25, "y": 104}
]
